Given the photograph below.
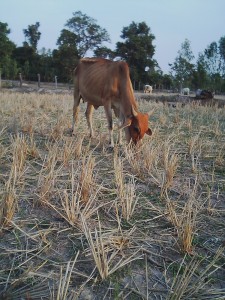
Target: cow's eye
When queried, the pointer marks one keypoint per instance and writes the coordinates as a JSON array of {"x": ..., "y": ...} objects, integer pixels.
[{"x": 136, "y": 129}]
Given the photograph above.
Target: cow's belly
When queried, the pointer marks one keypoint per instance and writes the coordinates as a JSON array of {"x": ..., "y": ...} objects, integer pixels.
[
  {"x": 93, "y": 99},
  {"x": 99, "y": 100}
]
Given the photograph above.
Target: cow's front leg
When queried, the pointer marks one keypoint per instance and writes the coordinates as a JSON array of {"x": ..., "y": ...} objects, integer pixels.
[
  {"x": 119, "y": 116},
  {"x": 108, "y": 113},
  {"x": 88, "y": 114},
  {"x": 120, "y": 137}
]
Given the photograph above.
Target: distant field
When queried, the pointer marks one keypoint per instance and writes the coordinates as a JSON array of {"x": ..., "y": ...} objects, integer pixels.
[
  {"x": 80, "y": 221},
  {"x": 47, "y": 87}
]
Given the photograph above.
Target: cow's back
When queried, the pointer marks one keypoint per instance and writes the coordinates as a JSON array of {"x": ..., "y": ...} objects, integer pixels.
[{"x": 99, "y": 79}]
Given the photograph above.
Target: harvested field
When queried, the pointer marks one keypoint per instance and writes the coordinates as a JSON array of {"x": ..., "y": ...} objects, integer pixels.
[{"x": 78, "y": 221}]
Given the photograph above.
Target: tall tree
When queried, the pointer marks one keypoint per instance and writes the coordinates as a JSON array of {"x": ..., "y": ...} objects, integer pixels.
[
  {"x": 66, "y": 56},
  {"x": 222, "y": 54},
  {"x": 7, "y": 64},
  {"x": 46, "y": 68},
  {"x": 27, "y": 61},
  {"x": 87, "y": 33},
  {"x": 9, "y": 68},
  {"x": 6, "y": 46},
  {"x": 137, "y": 49},
  {"x": 183, "y": 68},
  {"x": 214, "y": 66},
  {"x": 212, "y": 58},
  {"x": 201, "y": 76},
  {"x": 33, "y": 35}
]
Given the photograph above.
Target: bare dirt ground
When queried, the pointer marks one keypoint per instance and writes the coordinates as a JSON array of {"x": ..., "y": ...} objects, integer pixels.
[{"x": 81, "y": 221}]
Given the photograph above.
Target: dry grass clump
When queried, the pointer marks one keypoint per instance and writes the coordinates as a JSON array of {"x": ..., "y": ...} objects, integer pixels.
[
  {"x": 8, "y": 200},
  {"x": 47, "y": 176},
  {"x": 99, "y": 210},
  {"x": 79, "y": 200},
  {"x": 63, "y": 291},
  {"x": 195, "y": 151},
  {"x": 185, "y": 218},
  {"x": 57, "y": 129},
  {"x": 126, "y": 194},
  {"x": 192, "y": 279},
  {"x": 28, "y": 123},
  {"x": 20, "y": 152},
  {"x": 170, "y": 165},
  {"x": 86, "y": 178},
  {"x": 105, "y": 249},
  {"x": 19, "y": 149},
  {"x": 157, "y": 162},
  {"x": 133, "y": 156},
  {"x": 129, "y": 199},
  {"x": 77, "y": 195},
  {"x": 72, "y": 150}
]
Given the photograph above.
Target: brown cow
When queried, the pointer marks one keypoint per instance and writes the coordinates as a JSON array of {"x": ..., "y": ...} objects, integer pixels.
[{"x": 101, "y": 82}]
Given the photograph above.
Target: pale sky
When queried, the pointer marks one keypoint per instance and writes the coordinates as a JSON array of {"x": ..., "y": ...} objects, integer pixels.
[{"x": 171, "y": 21}]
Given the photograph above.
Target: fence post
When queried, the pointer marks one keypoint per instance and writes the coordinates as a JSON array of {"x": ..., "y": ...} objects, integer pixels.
[
  {"x": 56, "y": 86},
  {"x": 39, "y": 80},
  {"x": 21, "y": 81}
]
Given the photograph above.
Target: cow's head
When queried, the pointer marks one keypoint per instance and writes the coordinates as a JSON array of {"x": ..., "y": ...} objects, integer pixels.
[{"x": 139, "y": 127}]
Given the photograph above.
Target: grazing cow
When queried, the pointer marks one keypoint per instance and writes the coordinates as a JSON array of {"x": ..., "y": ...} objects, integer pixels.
[
  {"x": 101, "y": 82},
  {"x": 186, "y": 91},
  {"x": 204, "y": 94},
  {"x": 148, "y": 89}
]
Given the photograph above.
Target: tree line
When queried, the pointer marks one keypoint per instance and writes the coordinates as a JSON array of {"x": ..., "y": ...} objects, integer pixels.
[{"x": 83, "y": 35}]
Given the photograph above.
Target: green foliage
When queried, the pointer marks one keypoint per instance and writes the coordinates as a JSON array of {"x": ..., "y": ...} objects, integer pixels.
[
  {"x": 183, "y": 68},
  {"x": 200, "y": 76},
  {"x": 6, "y": 46},
  {"x": 27, "y": 60},
  {"x": 167, "y": 82},
  {"x": 7, "y": 64},
  {"x": 212, "y": 58},
  {"x": 66, "y": 56},
  {"x": 33, "y": 35},
  {"x": 82, "y": 34},
  {"x": 210, "y": 67},
  {"x": 88, "y": 34},
  {"x": 9, "y": 68},
  {"x": 46, "y": 65},
  {"x": 68, "y": 39},
  {"x": 64, "y": 61},
  {"x": 137, "y": 49},
  {"x": 104, "y": 52}
]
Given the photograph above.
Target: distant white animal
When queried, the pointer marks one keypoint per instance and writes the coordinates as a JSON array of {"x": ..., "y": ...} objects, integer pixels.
[
  {"x": 148, "y": 89},
  {"x": 186, "y": 91}
]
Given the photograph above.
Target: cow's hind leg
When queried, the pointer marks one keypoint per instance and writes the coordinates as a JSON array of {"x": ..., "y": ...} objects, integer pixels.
[
  {"x": 75, "y": 109},
  {"x": 88, "y": 114}
]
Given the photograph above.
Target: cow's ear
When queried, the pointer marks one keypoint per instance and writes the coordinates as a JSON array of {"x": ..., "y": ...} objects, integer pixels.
[{"x": 149, "y": 132}]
